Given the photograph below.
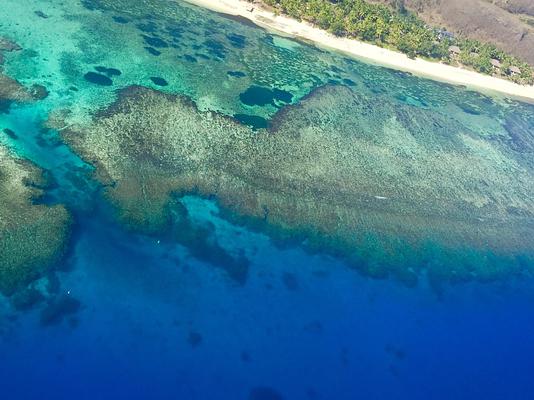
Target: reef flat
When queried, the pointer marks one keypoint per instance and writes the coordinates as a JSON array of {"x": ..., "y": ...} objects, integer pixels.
[
  {"x": 395, "y": 189},
  {"x": 32, "y": 236},
  {"x": 7, "y": 45},
  {"x": 10, "y": 89}
]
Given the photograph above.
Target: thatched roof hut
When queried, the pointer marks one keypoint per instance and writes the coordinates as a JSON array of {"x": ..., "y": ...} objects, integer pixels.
[
  {"x": 515, "y": 70},
  {"x": 455, "y": 50}
]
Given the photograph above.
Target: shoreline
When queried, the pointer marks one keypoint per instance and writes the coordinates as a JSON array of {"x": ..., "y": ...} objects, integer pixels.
[{"x": 366, "y": 52}]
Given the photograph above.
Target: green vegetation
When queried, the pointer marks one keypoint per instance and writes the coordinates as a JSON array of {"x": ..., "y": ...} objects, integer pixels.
[{"x": 396, "y": 28}]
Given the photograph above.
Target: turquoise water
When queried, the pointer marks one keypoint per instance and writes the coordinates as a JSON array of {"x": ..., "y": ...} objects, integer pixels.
[{"x": 238, "y": 312}]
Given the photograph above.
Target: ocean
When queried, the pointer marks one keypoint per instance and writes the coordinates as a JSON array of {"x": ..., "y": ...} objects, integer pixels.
[{"x": 238, "y": 309}]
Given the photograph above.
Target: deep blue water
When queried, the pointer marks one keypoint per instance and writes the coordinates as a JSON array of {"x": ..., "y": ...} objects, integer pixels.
[{"x": 156, "y": 324}]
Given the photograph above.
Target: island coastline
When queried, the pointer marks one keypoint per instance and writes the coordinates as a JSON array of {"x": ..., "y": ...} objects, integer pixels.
[{"x": 368, "y": 52}]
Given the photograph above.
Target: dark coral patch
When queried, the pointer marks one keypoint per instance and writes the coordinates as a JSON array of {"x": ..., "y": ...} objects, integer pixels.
[
  {"x": 215, "y": 48},
  {"x": 189, "y": 58},
  {"x": 245, "y": 356},
  {"x": 315, "y": 79},
  {"x": 242, "y": 20},
  {"x": 469, "y": 108},
  {"x": 262, "y": 96},
  {"x": 254, "y": 121},
  {"x": 88, "y": 4},
  {"x": 53, "y": 285},
  {"x": 41, "y": 14},
  {"x": 202, "y": 246},
  {"x": 10, "y": 133},
  {"x": 236, "y": 74},
  {"x": 314, "y": 327},
  {"x": 153, "y": 51},
  {"x": 290, "y": 281},
  {"x": 264, "y": 393},
  {"x": 175, "y": 33},
  {"x": 257, "y": 96},
  {"x": 394, "y": 351},
  {"x": 26, "y": 299},
  {"x": 59, "y": 308},
  {"x": 236, "y": 40},
  {"x": 5, "y": 105},
  {"x": 120, "y": 20},
  {"x": 148, "y": 27},
  {"x": 282, "y": 95},
  {"x": 520, "y": 134},
  {"x": 108, "y": 71},
  {"x": 39, "y": 92},
  {"x": 194, "y": 339},
  {"x": 8, "y": 45},
  {"x": 237, "y": 269},
  {"x": 98, "y": 79},
  {"x": 155, "y": 42},
  {"x": 159, "y": 81}
]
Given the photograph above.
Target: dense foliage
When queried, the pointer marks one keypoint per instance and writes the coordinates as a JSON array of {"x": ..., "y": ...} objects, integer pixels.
[{"x": 396, "y": 28}]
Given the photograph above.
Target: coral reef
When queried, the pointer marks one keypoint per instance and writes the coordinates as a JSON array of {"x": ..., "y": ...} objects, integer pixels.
[
  {"x": 12, "y": 90},
  {"x": 32, "y": 236},
  {"x": 7, "y": 45},
  {"x": 395, "y": 189}
]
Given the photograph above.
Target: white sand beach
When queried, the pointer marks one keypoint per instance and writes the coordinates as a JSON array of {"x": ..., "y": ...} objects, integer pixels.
[{"x": 368, "y": 52}]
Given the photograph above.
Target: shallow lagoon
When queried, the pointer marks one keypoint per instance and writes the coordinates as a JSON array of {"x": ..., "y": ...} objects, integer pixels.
[{"x": 157, "y": 319}]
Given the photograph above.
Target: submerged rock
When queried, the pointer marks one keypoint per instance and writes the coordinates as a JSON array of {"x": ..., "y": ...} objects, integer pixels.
[
  {"x": 394, "y": 189},
  {"x": 32, "y": 236}
]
